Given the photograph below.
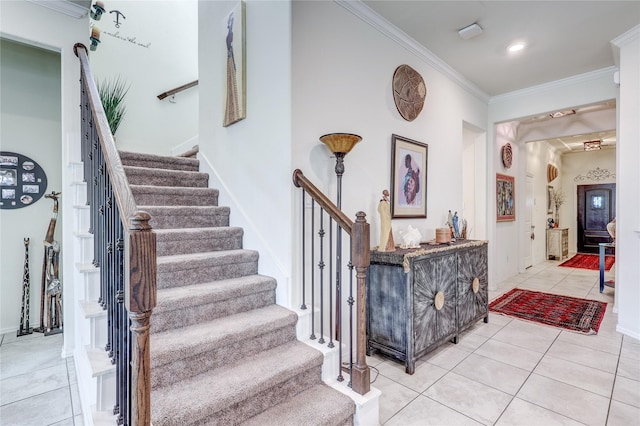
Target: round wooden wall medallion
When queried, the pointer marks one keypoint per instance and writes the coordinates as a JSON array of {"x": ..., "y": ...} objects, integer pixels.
[
  {"x": 475, "y": 285},
  {"x": 409, "y": 92},
  {"x": 507, "y": 155},
  {"x": 438, "y": 301}
]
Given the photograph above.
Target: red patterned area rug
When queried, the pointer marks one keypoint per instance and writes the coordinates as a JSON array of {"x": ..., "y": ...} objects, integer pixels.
[
  {"x": 589, "y": 261},
  {"x": 569, "y": 313}
]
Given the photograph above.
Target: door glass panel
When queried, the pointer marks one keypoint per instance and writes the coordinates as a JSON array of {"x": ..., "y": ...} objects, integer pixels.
[{"x": 596, "y": 202}]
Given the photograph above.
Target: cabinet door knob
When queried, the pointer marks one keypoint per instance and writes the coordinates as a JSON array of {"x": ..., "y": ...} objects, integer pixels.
[
  {"x": 438, "y": 301},
  {"x": 475, "y": 285}
]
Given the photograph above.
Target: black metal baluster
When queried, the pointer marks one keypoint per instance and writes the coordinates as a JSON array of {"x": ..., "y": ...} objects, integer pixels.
[
  {"x": 321, "y": 266},
  {"x": 304, "y": 258},
  {"x": 350, "y": 301},
  {"x": 331, "y": 262},
  {"x": 313, "y": 274},
  {"x": 339, "y": 298}
]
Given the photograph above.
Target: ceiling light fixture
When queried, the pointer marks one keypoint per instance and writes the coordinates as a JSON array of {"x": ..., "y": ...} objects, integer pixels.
[
  {"x": 516, "y": 46},
  {"x": 470, "y": 31},
  {"x": 593, "y": 145},
  {"x": 559, "y": 114}
]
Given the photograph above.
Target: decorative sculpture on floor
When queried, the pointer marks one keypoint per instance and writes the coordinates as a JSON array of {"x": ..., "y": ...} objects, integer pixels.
[
  {"x": 26, "y": 293},
  {"x": 51, "y": 294}
]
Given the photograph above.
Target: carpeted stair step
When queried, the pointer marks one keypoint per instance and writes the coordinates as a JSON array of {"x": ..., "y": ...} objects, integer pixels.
[
  {"x": 187, "y": 269},
  {"x": 172, "y": 217},
  {"x": 162, "y": 177},
  {"x": 330, "y": 408},
  {"x": 159, "y": 161},
  {"x": 151, "y": 195},
  {"x": 193, "y": 304},
  {"x": 194, "y": 240},
  {"x": 230, "y": 395},
  {"x": 182, "y": 353}
]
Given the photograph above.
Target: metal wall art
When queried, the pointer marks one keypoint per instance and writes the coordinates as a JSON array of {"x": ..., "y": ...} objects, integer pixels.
[
  {"x": 408, "y": 178},
  {"x": 505, "y": 198},
  {"x": 597, "y": 175},
  {"x": 22, "y": 181},
  {"x": 409, "y": 92}
]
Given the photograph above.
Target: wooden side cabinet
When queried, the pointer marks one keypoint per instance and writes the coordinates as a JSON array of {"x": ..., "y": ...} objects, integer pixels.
[
  {"x": 557, "y": 243},
  {"x": 420, "y": 298}
]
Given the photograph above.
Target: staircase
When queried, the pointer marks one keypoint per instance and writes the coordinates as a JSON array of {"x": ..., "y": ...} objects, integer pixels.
[{"x": 222, "y": 351}]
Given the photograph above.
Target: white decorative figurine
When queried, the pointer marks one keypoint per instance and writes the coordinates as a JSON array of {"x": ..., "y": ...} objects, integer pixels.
[{"x": 411, "y": 237}]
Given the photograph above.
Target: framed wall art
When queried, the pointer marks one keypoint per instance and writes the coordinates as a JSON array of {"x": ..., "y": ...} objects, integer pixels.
[
  {"x": 235, "y": 108},
  {"x": 408, "y": 178},
  {"x": 22, "y": 181},
  {"x": 505, "y": 198}
]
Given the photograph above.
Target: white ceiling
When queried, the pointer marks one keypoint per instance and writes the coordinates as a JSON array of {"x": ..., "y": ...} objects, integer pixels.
[{"x": 565, "y": 38}]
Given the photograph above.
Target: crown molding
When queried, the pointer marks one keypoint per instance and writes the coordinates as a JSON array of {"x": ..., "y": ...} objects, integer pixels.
[
  {"x": 64, "y": 6},
  {"x": 554, "y": 85},
  {"x": 622, "y": 40},
  {"x": 366, "y": 14}
]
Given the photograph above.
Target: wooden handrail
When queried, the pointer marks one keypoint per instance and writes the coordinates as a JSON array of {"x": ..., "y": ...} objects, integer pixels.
[
  {"x": 301, "y": 181},
  {"x": 140, "y": 262},
  {"x": 178, "y": 89}
]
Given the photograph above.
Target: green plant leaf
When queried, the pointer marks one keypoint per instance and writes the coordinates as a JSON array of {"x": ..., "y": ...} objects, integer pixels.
[{"x": 112, "y": 93}]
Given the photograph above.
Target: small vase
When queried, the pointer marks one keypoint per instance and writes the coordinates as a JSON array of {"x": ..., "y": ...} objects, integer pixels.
[{"x": 557, "y": 219}]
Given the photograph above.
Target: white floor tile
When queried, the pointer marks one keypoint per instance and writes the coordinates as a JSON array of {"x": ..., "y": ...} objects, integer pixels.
[
  {"x": 630, "y": 349},
  {"x": 523, "y": 413},
  {"x": 585, "y": 356},
  {"x": 622, "y": 414},
  {"x": 480, "y": 402},
  {"x": 40, "y": 381},
  {"x": 496, "y": 374},
  {"x": 509, "y": 354},
  {"x": 587, "y": 378},
  {"x": 629, "y": 368},
  {"x": 44, "y": 409},
  {"x": 394, "y": 397},
  {"x": 527, "y": 335},
  {"x": 423, "y": 411},
  {"x": 592, "y": 341},
  {"x": 564, "y": 399},
  {"x": 446, "y": 356},
  {"x": 425, "y": 375},
  {"x": 627, "y": 391}
]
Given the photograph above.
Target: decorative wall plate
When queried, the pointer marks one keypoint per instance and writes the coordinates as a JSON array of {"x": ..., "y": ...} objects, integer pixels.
[
  {"x": 507, "y": 155},
  {"x": 409, "y": 92}
]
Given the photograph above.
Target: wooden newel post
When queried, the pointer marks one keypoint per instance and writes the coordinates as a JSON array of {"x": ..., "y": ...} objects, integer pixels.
[
  {"x": 360, "y": 380},
  {"x": 140, "y": 299}
]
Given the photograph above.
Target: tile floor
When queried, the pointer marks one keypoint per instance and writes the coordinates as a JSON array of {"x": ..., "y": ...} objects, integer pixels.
[
  {"x": 512, "y": 372},
  {"x": 506, "y": 372}
]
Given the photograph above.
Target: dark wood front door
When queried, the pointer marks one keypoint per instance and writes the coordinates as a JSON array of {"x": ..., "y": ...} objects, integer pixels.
[{"x": 596, "y": 208}]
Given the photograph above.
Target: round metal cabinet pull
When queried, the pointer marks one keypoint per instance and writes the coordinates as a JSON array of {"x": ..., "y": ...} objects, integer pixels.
[
  {"x": 438, "y": 301},
  {"x": 475, "y": 286}
]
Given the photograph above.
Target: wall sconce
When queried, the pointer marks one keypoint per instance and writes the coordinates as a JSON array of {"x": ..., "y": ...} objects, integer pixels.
[
  {"x": 94, "y": 37},
  {"x": 99, "y": 10}
]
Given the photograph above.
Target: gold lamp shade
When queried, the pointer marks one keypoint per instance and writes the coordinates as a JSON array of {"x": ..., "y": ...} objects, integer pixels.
[{"x": 340, "y": 142}]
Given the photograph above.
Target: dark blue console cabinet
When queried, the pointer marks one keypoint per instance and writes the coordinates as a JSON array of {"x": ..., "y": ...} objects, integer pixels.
[{"x": 418, "y": 299}]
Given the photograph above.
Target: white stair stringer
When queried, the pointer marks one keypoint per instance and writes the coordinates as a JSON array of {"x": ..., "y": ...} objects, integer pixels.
[
  {"x": 367, "y": 406},
  {"x": 96, "y": 383}
]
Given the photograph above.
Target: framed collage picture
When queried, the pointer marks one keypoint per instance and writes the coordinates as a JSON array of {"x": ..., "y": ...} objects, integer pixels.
[
  {"x": 505, "y": 198},
  {"x": 408, "y": 178}
]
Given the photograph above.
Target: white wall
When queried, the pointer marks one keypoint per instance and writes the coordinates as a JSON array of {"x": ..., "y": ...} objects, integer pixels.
[
  {"x": 155, "y": 49},
  {"x": 585, "y": 89},
  {"x": 342, "y": 74},
  {"x": 251, "y": 159},
  {"x": 575, "y": 169},
  {"x": 628, "y": 200},
  {"x": 31, "y": 125},
  {"x": 539, "y": 154},
  {"x": 45, "y": 28}
]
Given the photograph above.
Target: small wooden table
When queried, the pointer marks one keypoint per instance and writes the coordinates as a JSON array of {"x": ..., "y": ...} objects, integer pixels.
[{"x": 603, "y": 249}]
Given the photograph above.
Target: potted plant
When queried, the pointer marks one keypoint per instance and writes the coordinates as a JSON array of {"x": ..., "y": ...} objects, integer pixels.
[{"x": 112, "y": 93}]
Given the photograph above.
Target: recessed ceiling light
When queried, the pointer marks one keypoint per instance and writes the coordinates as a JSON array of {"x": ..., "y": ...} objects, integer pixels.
[{"x": 516, "y": 46}]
